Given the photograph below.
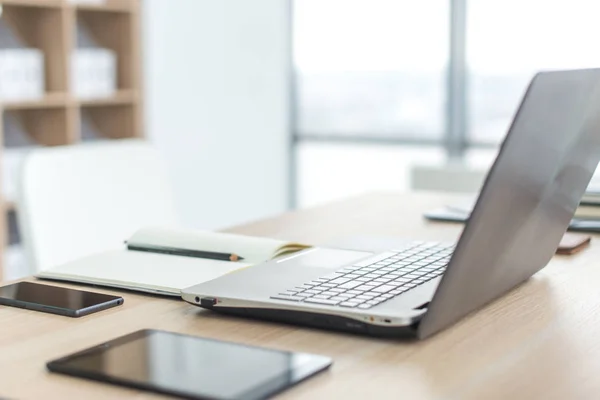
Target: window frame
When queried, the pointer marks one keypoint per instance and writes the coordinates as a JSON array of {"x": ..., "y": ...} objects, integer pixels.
[{"x": 454, "y": 139}]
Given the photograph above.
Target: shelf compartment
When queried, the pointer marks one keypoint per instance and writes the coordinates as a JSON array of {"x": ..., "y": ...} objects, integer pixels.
[
  {"x": 46, "y": 126},
  {"x": 37, "y": 27},
  {"x": 116, "y": 121},
  {"x": 110, "y": 31}
]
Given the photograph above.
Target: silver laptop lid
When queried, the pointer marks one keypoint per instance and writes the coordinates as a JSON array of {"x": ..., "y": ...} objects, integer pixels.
[{"x": 529, "y": 197}]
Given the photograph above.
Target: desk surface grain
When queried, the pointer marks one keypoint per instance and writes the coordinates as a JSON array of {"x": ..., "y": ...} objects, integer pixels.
[{"x": 542, "y": 340}]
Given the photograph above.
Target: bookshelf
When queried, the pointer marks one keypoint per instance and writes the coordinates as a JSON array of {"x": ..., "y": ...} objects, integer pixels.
[{"x": 59, "y": 117}]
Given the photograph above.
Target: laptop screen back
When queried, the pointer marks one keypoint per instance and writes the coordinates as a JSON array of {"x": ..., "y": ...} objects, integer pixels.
[{"x": 529, "y": 197}]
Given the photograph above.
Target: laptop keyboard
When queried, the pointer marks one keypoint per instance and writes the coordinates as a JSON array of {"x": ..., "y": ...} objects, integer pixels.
[{"x": 375, "y": 280}]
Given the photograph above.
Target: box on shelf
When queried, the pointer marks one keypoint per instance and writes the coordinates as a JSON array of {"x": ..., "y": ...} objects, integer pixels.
[
  {"x": 21, "y": 68},
  {"x": 93, "y": 73},
  {"x": 94, "y": 69}
]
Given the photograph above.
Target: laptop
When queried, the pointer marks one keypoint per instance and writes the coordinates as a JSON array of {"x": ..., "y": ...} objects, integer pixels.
[{"x": 524, "y": 207}]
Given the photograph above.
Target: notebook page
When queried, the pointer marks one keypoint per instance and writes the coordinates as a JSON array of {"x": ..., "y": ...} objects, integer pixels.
[
  {"x": 141, "y": 270},
  {"x": 254, "y": 250}
]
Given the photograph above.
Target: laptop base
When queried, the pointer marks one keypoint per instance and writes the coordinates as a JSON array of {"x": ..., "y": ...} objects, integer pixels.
[{"x": 316, "y": 320}]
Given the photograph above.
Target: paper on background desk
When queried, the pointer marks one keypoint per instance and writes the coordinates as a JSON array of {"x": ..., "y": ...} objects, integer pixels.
[
  {"x": 141, "y": 271},
  {"x": 460, "y": 212}
]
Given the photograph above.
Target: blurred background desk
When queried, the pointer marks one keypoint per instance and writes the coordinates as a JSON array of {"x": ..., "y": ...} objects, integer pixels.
[{"x": 540, "y": 341}]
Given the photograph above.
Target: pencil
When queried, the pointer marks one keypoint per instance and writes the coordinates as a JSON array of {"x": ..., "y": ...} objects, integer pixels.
[{"x": 213, "y": 255}]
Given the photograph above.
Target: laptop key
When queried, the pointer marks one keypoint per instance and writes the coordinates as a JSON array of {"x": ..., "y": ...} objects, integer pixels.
[
  {"x": 339, "y": 281},
  {"x": 365, "y": 296},
  {"x": 329, "y": 293},
  {"x": 384, "y": 288},
  {"x": 365, "y": 306},
  {"x": 382, "y": 280},
  {"x": 410, "y": 268},
  {"x": 350, "y": 285},
  {"x": 365, "y": 288},
  {"x": 327, "y": 302},
  {"x": 312, "y": 291},
  {"x": 348, "y": 304},
  {"x": 394, "y": 273}
]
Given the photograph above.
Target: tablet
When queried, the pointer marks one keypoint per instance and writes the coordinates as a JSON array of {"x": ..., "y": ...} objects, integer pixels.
[{"x": 191, "y": 367}]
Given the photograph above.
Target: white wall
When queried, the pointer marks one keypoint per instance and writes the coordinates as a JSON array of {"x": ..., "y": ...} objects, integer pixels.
[{"x": 216, "y": 104}]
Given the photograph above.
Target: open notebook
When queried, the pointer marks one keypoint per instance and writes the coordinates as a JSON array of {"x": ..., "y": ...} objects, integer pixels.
[{"x": 168, "y": 274}]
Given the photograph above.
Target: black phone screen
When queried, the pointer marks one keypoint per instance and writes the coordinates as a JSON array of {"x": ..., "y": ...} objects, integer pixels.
[
  {"x": 190, "y": 366},
  {"x": 51, "y": 296}
]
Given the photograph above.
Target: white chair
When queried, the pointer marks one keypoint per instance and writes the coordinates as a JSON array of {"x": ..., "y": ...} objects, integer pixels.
[{"x": 76, "y": 200}]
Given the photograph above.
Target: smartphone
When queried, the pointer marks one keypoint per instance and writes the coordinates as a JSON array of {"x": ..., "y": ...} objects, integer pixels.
[
  {"x": 55, "y": 299},
  {"x": 191, "y": 367}
]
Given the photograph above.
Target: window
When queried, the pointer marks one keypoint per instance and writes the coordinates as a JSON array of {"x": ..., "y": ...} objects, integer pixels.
[
  {"x": 509, "y": 40},
  {"x": 370, "y": 68},
  {"x": 377, "y": 73},
  {"x": 333, "y": 170}
]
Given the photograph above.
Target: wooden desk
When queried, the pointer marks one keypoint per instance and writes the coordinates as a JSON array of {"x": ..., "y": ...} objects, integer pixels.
[{"x": 541, "y": 341}]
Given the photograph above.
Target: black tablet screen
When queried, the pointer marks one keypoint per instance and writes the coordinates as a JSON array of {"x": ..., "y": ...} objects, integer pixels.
[
  {"x": 191, "y": 366},
  {"x": 53, "y": 296}
]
